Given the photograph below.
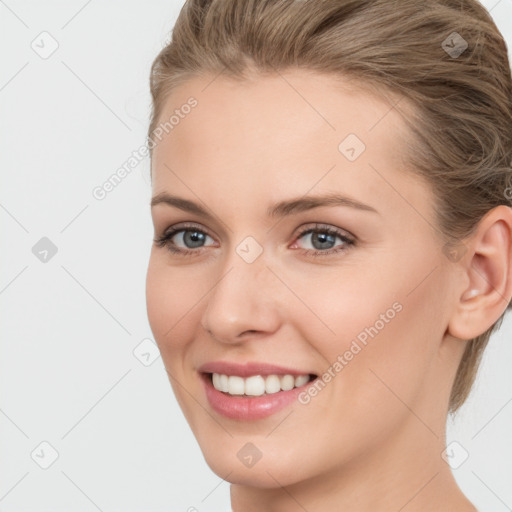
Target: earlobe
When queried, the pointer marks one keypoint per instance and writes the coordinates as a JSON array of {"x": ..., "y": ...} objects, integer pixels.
[{"x": 488, "y": 268}]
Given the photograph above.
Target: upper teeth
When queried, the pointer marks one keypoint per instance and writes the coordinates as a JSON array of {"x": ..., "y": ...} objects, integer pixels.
[{"x": 257, "y": 385}]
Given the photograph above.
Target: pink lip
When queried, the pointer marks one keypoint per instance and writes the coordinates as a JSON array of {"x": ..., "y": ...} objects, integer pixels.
[
  {"x": 248, "y": 408},
  {"x": 248, "y": 369}
]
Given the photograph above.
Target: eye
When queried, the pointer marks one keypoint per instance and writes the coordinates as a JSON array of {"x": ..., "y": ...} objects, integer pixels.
[
  {"x": 189, "y": 240},
  {"x": 322, "y": 239},
  {"x": 183, "y": 239}
]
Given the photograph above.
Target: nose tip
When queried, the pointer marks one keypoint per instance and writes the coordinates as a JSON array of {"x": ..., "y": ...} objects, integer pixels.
[
  {"x": 242, "y": 304},
  {"x": 237, "y": 338}
]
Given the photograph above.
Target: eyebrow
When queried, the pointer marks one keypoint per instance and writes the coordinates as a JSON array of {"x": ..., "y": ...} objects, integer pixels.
[{"x": 280, "y": 209}]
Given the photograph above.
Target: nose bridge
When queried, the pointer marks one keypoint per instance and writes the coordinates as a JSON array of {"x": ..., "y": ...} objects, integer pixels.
[{"x": 242, "y": 298}]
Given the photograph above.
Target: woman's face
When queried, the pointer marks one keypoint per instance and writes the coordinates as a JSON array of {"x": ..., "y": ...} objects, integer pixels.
[{"x": 362, "y": 302}]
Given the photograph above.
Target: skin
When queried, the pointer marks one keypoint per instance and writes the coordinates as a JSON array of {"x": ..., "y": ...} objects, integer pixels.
[{"x": 372, "y": 439}]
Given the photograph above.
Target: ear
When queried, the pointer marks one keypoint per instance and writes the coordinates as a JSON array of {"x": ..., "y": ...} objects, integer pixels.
[{"x": 487, "y": 267}]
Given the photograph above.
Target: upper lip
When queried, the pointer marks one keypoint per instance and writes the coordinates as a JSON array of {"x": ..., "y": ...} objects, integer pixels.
[{"x": 248, "y": 369}]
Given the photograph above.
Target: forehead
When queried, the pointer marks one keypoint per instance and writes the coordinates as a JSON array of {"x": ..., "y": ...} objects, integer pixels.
[{"x": 297, "y": 129}]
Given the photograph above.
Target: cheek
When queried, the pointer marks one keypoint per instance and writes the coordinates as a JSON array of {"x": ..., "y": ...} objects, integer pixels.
[
  {"x": 375, "y": 330},
  {"x": 172, "y": 299}
]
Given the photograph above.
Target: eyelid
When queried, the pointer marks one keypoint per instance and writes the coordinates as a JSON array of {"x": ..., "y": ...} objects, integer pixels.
[
  {"x": 186, "y": 226},
  {"x": 317, "y": 226}
]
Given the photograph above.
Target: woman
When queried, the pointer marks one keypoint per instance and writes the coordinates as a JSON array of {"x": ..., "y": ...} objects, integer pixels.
[{"x": 332, "y": 249}]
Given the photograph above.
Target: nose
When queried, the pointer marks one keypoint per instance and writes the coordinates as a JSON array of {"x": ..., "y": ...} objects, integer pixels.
[{"x": 243, "y": 303}]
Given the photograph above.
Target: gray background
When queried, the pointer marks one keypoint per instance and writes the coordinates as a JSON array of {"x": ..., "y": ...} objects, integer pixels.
[{"x": 72, "y": 326}]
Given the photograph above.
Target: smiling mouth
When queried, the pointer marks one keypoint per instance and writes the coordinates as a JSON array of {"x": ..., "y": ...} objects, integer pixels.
[{"x": 257, "y": 385}]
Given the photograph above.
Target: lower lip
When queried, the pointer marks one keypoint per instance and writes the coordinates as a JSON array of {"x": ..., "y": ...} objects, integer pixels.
[{"x": 247, "y": 408}]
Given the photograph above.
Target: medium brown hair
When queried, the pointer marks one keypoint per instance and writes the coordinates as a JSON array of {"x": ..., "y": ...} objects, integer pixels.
[{"x": 461, "y": 117}]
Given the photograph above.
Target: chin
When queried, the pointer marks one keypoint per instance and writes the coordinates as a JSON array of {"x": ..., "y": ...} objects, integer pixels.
[{"x": 257, "y": 463}]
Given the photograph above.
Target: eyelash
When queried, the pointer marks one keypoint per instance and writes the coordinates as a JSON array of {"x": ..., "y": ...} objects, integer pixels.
[{"x": 165, "y": 240}]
